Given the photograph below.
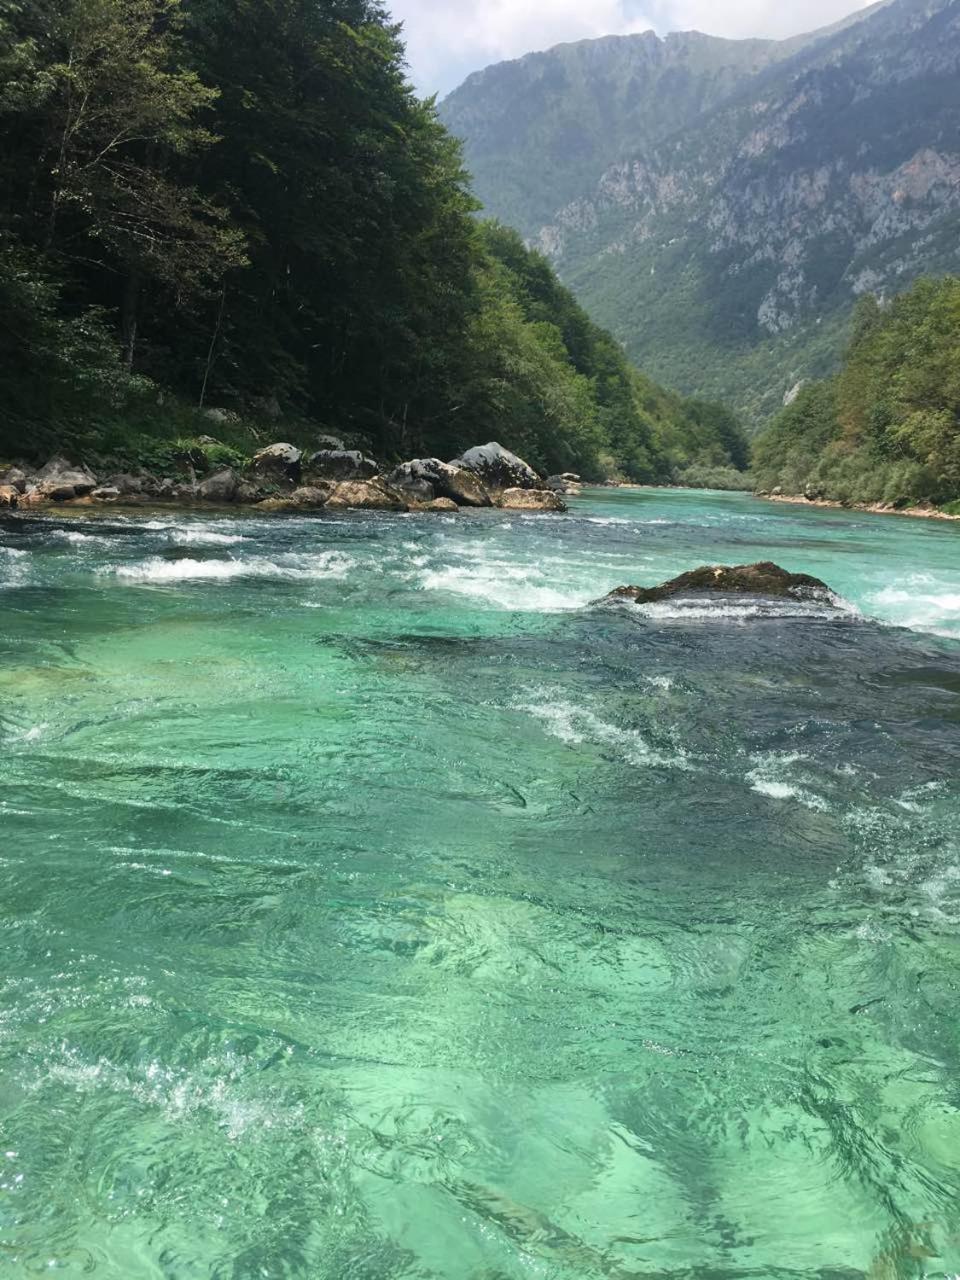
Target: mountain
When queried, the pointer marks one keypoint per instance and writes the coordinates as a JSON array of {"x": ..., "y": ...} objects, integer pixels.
[{"x": 720, "y": 205}]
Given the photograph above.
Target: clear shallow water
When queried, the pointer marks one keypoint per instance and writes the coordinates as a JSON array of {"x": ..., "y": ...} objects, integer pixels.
[{"x": 373, "y": 909}]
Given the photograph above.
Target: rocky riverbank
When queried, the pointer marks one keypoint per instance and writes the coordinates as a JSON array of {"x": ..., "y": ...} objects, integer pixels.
[
  {"x": 876, "y": 508},
  {"x": 282, "y": 477}
]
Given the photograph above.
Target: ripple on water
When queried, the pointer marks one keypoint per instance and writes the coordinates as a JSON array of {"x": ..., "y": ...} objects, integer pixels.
[{"x": 452, "y": 930}]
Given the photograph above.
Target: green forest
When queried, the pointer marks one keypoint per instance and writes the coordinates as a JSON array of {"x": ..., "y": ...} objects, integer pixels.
[
  {"x": 886, "y": 427},
  {"x": 241, "y": 206}
]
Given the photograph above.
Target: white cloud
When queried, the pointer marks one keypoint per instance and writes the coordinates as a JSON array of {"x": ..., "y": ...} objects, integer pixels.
[{"x": 447, "y": 39}]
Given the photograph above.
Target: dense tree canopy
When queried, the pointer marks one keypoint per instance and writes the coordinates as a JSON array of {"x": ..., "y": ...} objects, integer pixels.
[
  {"x": 887, "y": 426},
  {"x": 243, "y": 204}
]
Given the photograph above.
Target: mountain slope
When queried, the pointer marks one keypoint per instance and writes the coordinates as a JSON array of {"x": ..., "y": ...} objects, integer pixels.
[{"x": 726, "y": 254}]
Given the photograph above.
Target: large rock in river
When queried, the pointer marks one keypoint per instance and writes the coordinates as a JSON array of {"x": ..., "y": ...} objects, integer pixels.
[
  {"x": 498, "y": 469},
  {"x": 762, "y": 579},
  {"x": 531, "y": 500},
  {"x": 425, "y": 478}
]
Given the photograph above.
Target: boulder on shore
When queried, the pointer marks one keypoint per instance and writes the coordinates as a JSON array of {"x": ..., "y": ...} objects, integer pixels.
[
  {"x": 438, "y": 504},
  {"x": 9, "y": 496},
  {"x": 339, "y": 464},
  {"x": 313, "y": 495},
  {"x": 61, "y": 480},
  {"x": 566, "y": 482},
  {"x": 422, "y": 479},
  {"x": 278, "y": 462},
  {"x": 220, "y": 487},
  {"x": 497, "y": 468},
  {"x": 762, "y": 579},
  {"x": 369, "y": 495},
  {"x": 15, "y": 477},
  {"x": 531, "y": 500}
]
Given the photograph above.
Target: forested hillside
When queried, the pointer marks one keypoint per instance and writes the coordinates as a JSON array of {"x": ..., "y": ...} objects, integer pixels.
[
  {"x": 886, "y": 427},
  {"x": 241, "y": 205},
  {"x": 721, "y": 205}
]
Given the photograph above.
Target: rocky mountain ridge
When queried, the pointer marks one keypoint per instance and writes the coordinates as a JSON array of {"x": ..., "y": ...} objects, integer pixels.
[{"x": 726, "y": 254}]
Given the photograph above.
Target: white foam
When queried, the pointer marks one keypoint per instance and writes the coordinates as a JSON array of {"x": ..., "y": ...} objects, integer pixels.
[
  {"x": 767, "y": 778},
  {"x": 727, "y": 610},
  {"x": 218, "y": 1088},
  {"x": 576, "y": 725},
  {"x": 327, "y": 564},
  {"x": 501, "y": 585},
  {"x": 77, "y": 539},
  {"x": 200, "y": 537},
  {"x": 922, "y": 604}
]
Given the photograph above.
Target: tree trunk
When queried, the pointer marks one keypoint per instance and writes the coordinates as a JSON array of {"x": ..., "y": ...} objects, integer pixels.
[{"x": 128, "y": 317}]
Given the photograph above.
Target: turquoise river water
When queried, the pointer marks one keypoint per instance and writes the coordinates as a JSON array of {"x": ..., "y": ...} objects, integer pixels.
[{"x": 376, "y": 908}]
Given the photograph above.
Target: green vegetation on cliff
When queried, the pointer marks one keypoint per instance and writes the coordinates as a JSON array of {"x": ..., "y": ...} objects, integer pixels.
[
  {"x": 243, "y": 206},
  {"x": 886, "y": 427}
]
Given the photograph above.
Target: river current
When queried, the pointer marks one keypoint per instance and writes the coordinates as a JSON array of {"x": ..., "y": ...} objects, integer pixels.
[{"x": 376, "y": 908}]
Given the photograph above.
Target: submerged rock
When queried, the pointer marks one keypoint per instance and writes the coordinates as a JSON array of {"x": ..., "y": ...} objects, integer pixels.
[
  {"x": 531, "y": 500},
  {"x": 498, "y": 469},
  {"x": 762, "y": 579}
]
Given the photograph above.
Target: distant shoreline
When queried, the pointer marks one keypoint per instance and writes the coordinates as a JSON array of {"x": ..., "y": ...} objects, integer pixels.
[{"x": 872, "y": 508}]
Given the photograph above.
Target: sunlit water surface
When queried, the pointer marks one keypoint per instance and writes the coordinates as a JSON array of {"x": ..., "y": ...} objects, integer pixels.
[{"x": 375, "y": 908}]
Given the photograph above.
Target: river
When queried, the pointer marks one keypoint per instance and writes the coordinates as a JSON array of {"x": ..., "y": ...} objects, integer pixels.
[{"x": 376, "y": 909}]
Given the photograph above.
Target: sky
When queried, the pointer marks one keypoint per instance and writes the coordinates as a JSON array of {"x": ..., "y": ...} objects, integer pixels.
[{"x": 447, "y": 39}]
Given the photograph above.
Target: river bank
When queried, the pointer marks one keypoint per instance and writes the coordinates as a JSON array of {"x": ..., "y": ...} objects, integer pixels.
[{"x": 875, "y": 508}]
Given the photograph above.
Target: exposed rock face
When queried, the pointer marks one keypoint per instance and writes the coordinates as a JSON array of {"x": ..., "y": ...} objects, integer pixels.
[
  {"x": 9, "y": 496},
  {"x": 426, "y": 478},
  {"x": 219, "y": 487},
  {"x": 531, "y": 500},
  {"x": 762, "y": 579},
  {"x": 221, "y": 415},
  {"x": 61, "y": 480},
  {"x": 330, "y": 442},
  {"x": 370, "y": 495},
  {"x": 125, "y": 483},
  {"x": 498, "y": 469},
  {"x": 278, "y": 462},
  {"x": 339, "y": 464},
  {"x": 788, "y": 177},
  {"x": 14, "y": 477}
]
